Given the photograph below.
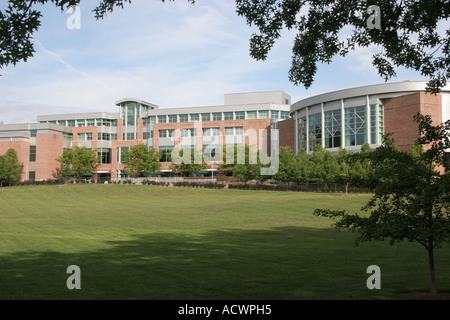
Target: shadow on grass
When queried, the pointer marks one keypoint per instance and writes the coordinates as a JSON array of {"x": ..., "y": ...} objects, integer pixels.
[{"x": 279, "y": 263}]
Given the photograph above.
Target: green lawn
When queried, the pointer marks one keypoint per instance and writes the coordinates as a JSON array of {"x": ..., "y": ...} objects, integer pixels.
[{"x": 145, "y": 242}]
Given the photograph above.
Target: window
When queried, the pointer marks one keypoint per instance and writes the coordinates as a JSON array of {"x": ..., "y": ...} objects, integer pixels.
[
  {"x": 264, "y": 114},
  {"x": 207, "y": 132},
  {"x": 355, "y": 126},
  {"x": 33, "y": 133},
  {"x": 81, "y": 137},
  {"x": 274, "y": 114},
  {"x": 172, "y": 118},
  {"x": 146, "y": 121},
  {"x": 194, "y": 117},
  {"x": 89, "y": 136},
  {"x": 104, "y": 136},
  {"x": 315, "y": 130},
  {"x": 206, "y": 117},
  {"x": 302, "y": 133},
  {"x": 152, "y": 119},
  {"x": 188, "y": 132},
  {"x": 184, "y": 118},
  {"x": 71, "y": 123},
  {"x": 162, "y": 119},
  {"x": 171, "y": 133},
  {"x": 90, "y": 122},
  {"x": 32, "y": 153},
  {"x": 32, "y": 175},
  {"x": 120, "y": 154},
  {"x": 67, "y": 136},
  {"x": 165, "y": 152},
  {"x": 104, "y": 155},
  {"x": 146, "y": 135},
  {"x": 284, "y": 114},
  {"x": 228, "y": 115},
  {"x": 239, "y": 131},
  {"x": 163, "y": 133},
  {"x": 229, "y": 131},
  {"x": 333, "y": 129},
  {"x": 381, "y": 123},
  {"x": 81, "y": 123},
  {"x": 251, "y": 114},
  {"x": 62, "y": 122},
  {"x": 131, "y": 116},
  {"x": 129, "y": 136},
  {"x": 217, "y": 116},
  {"x": 239, "y": 115},
  {"x": 216, "y": 132}
]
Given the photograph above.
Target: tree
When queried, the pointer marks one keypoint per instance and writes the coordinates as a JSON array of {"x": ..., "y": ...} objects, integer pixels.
[
  {"x": 412, "y": 198},
  {"x": 76, "y": 162},
  {"x": 406, "y": 35},
  {"x": 20, "y": 21},
  {"x": 187, "y": 161},
  {"x": 139, "y": 160},
  {"x": 10, "y": 167},
  {"x": 287, "y": 169}
]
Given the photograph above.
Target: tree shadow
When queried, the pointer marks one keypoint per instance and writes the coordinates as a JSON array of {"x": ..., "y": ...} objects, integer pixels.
[{"x": 277, "y": 263}]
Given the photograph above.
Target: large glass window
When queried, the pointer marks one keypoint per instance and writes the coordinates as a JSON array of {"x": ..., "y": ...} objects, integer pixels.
[
  {"x": 284, "y": 114},
  {"x": 172, "y": 118},
  {"x": 274, "y": 114},
  {"x": 217, "y": 116},
  {"x": 131, "y": 115},
  {"x": 302, "y": 130},
  {"x": 163, "y": 133},
  {"x": 71, "y": 123},
  {"x": 81, "y": 123},
  {"x": 381, "y": 123},
  {"x": 228, "y": 115},
  {"x": 67, "y": 137},
  {"x": 239, "y": 115},
  {"x": 194, "y": 117},
  {"x": 90, "y": 122},
  {"x": 355, "y": 126},
  {"x": 162, "y": 119},
  {"x": 104, "y": 155},
  {"x": 32, "y": 153},
  {"x": 206, "y": 117},
  {"x": 251, "y": 115},
  {"x": 184, "y": 118},
  {"x": 315, "y": 129},
  {"x": 263, "y": 114},
  {"x": 166, "y": 153},
  {"x": 333, "y": 129},
  {"x": 81, "y": 137}
]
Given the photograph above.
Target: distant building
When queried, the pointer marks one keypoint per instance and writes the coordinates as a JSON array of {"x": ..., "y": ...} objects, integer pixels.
[
  {"x": 245, "y": 118},
  {"x": 340, "y": 119}
]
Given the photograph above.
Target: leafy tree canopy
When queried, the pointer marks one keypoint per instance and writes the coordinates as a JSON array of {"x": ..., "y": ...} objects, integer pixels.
[
  {"x": 77, "y": 161},
  {"x": 139, "y": 160},
  {"x": 10, "y": 167},
  {"x": 407, "y": 35}
]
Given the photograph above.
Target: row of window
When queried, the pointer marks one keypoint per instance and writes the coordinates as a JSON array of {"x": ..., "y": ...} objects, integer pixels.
[
  {"x": 356, "y": 122},
  {"x": 217, "y": 116},
  {"x": 86, "y": 123}
]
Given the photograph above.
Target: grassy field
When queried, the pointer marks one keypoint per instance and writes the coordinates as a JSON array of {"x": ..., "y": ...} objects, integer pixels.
[{"x": 144, "y": 242}]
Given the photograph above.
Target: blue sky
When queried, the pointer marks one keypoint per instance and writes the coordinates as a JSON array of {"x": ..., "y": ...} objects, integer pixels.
[{"x": 172, "y": 54}]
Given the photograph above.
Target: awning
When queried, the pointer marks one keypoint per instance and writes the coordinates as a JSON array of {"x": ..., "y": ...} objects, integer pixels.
[{"x": 87, "y": 174}]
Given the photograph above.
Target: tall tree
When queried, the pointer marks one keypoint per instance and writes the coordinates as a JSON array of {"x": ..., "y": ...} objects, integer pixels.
[
  {"x": 77, "y": 161},
  {"x": 139, "y": 160},
  {"x": 407, "y": 34},
  {"x": 10, "y": 167},
  {"x": 412, "y": 198}
]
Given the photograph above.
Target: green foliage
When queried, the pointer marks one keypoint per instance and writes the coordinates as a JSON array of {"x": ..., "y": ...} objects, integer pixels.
[
  {"x": 77, "y": 161},
  {"x": 319, "y": 26},
  {"x": 187, "y": 161},
  {"x": 412, "y": 197},
  {"x": 10, "y": 167},
  {"x": 139, "y": 160}
]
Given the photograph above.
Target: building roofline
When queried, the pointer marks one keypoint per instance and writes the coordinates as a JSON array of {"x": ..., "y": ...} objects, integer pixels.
[
  {"x": 376, "y": 89},
  {"x": 119, "y": 102}
]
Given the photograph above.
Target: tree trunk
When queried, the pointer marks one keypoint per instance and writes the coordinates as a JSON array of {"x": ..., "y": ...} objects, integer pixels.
[{"x": 430, "y": 250}]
